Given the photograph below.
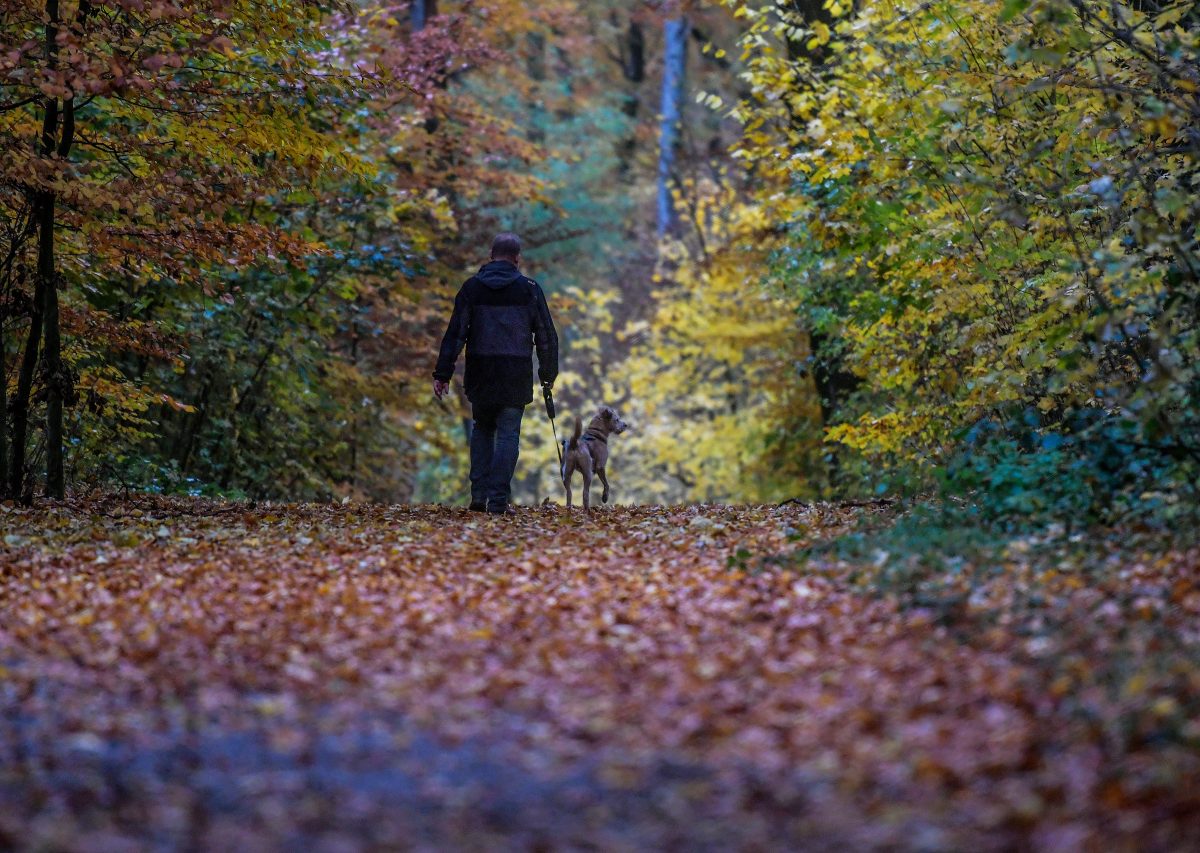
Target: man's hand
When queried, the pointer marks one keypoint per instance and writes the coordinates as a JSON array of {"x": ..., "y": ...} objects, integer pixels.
[{"x": 440, "y": 388}]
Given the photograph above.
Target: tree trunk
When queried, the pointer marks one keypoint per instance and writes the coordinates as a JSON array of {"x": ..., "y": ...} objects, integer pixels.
[
  {"x": 45, "y": 298},
  {"x": 21, "y": 400},
  {"x": 52, "y": 357},
  {"x": 675, "y": 33},
  {"x": 10, "y": 274},
  {"x": 566, "y": 72},
  {"x": 422, "y": 11},
  {"x": 3, "y": 408},
  {"x": 355, "y": 338},
  {"x": 192, "y": 426},
  {"x": 811, "y": 11},
  {"x": 832, "y": 382},
  {"x": 535, "y": 69},
  {"x": 56, "y": 377},
  {"x": 633, "y": 67}
]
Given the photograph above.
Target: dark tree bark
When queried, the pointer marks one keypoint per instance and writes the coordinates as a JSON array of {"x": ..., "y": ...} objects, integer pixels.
[
  {"x": 355, "y": 338},
  {"x": 45, "y": 303},
  {"x": 633, "y": 59},
  {"x": 21, "y": 399},
  {"x": 632, "y": 53},
  {"x": 422, "y": 11},
  {"x": 566, "y": 71},
  {"x": 52, "y": 356},
  {"x": 6, "y": 305},
  {"x": 192, "y": 426},
  {"x": 832, "y": 382},
  {"x": 811, "y": 11},
  {"x": 535, "y": 68},
  {"x": 3, "y": 408},
  {"x": 675, "y": 35},
  {"x": 57, "y": 381},
  {"x": 701, "y": 38}
]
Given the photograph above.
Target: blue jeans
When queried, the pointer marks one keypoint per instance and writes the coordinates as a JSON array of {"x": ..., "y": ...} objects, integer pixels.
[{"x": 495, "y": 446}]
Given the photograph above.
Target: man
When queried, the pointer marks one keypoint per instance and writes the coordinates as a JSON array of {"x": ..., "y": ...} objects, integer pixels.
[{"x": 500, "y": 316}]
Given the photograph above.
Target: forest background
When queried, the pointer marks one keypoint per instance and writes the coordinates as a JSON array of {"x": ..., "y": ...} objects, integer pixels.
[{"x": 810, "y": 250}]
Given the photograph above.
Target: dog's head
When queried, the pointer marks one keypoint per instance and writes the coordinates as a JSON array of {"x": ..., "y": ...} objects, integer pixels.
[{"x": 611, "y": 420}]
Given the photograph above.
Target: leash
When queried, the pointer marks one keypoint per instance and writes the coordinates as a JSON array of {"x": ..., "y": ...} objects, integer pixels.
[{"x": 548, "y": 396}]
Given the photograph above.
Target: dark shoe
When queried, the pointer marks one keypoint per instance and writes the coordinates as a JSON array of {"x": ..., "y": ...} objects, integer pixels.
[
  {"x": 477, "y": 506},
  {"x": 501, "y": 509}
]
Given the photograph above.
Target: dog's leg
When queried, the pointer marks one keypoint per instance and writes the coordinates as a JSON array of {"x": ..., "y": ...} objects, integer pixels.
[
  {"x": 587, "y": 488},
  {"x": 603, "y": 479},
  {"x": 567, "y": 471}
]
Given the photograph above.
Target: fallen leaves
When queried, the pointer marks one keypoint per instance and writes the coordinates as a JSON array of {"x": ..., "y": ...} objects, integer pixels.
[{"x": 371, "y": 676}]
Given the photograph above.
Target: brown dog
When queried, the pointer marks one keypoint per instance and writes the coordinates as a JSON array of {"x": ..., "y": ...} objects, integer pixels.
[{"x": 587, "y": 452}]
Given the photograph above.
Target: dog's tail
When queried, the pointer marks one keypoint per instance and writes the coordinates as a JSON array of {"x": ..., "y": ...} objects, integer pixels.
[{"x": 574, "y": 442}]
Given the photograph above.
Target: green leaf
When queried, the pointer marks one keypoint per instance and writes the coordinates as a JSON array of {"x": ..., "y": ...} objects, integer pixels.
[{"x": 1011, "y": 9}]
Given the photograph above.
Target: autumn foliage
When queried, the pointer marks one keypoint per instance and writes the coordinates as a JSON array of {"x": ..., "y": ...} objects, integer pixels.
[
  {"x": 221, "y": 675},
  {"x": 899, "y": 298},
  {"x": 970, "y": 238},
  {"x": 224, "y": 205}
]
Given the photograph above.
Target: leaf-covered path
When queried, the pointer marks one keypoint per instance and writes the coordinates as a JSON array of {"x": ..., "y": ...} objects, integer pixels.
[{"x": 215, "y": 676}]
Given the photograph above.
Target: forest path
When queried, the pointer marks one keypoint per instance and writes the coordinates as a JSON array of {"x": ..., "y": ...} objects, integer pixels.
[{"x": 187, "y": 673}]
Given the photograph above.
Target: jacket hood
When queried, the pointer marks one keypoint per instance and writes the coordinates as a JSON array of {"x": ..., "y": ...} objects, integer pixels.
[{"x": 498, "y": 274}]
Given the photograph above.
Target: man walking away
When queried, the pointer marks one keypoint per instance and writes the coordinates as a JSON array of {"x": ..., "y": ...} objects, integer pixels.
[{"x": 500, "y": 316}]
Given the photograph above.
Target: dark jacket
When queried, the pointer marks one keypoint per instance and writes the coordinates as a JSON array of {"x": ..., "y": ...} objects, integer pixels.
[{"x": 500, "y": 316}]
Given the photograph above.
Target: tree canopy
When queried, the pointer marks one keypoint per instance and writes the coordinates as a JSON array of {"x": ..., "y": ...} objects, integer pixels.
[{"x": 813, "y": 249}]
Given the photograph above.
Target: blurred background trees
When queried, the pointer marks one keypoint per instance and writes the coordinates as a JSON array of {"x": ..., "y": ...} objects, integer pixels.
[
  {"x": 964, "y": 256},
  {"x": 812, "y": 249}
]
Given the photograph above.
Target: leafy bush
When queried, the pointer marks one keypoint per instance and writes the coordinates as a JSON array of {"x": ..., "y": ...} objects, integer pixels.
[
  {"x": 985, "y": 216},
  {"x": 1090, "y": 469}
]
